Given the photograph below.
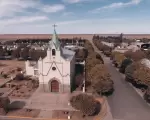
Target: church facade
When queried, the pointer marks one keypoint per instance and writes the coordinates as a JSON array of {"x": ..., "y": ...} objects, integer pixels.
[{"x": 56, "y": 71}]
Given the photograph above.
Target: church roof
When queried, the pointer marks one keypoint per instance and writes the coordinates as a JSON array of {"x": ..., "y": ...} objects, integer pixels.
[
  {"x": 55, "y": 40},
  {"x": 68, "y": 54}
]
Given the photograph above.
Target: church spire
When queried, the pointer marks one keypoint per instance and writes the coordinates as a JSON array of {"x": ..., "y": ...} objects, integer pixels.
[{"x": 55, "y": 40}]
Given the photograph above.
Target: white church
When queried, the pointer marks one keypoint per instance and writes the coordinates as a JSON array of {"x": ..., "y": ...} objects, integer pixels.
[{"x": 56, "y": 71}]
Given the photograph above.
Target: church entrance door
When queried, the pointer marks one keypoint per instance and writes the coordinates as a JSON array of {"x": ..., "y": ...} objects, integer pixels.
[{"x": 54, "y": 86}]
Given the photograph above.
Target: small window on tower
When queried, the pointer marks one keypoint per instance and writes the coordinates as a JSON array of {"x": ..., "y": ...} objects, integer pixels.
[{"x": 53, "y": 52}]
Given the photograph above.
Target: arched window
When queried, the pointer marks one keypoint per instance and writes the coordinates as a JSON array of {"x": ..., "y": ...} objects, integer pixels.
[{"x": 53, "y": 52}]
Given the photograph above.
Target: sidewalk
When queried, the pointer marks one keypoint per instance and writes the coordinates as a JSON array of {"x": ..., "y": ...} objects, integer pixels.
[
  {"x": 108, "y": 115},
  {"x": 105, "y": 113}
]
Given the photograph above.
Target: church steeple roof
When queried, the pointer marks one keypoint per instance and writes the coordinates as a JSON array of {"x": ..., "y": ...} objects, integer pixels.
[{"x": 55, "y": 40}]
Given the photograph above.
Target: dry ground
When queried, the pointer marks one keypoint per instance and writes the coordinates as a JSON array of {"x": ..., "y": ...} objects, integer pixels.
[
  {"x": 6, "y": 37},
  {"x": 7, "y": 65},
  {"x": 23, "y": 90},
  {"x": 24, "y": 113}
]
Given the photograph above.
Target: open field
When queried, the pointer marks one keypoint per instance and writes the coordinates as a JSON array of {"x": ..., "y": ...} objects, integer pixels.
[
  {"x": 47, "y": 36},
  {"x": 8, "y": 65}
]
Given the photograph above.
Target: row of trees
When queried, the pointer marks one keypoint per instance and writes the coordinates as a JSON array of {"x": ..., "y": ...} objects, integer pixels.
[
  {"x": 23, "y": 52},
  {"x": 136, "y": 68},
  {"x": 96, "y": 73},
  {"x": 26, "y": 53},
  {"x": 118, "y": 39},
  {"x": 111, "y": 39},
  {"x": 43, "y": 41},
  {"x": 97, "y": 81},
  {"x": 102, "y": 47}
]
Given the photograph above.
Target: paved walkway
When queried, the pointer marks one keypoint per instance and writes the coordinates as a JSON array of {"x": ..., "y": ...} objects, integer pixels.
[
  {"x": 46, "y": 101},
  {"x": 125, "y": 103}
]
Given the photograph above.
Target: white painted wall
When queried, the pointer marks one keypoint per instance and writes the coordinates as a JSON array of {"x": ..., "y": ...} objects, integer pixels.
[
  {"x": 65, "y": 69},
  {"x": 29, "y": 69}
]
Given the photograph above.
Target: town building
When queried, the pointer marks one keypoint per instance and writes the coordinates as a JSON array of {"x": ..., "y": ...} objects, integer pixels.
[{"x": 56, "y": 71}]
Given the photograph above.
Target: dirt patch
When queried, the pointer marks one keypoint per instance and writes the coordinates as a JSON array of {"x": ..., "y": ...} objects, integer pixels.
[
  {"x": 11, "y": 67},
  {"x": 23, "y": 89},
  {"x": 24, "y": 113}
]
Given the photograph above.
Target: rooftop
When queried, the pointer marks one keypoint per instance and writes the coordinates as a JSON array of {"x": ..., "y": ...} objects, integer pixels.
[{"x": 68, "y": 54}]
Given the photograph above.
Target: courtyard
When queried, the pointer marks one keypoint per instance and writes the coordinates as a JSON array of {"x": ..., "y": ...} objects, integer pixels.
[{"x": 49, "y": 101}]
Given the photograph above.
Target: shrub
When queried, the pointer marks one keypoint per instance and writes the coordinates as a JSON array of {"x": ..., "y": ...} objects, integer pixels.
[
  {"x": 85, "y": 103},
  {"x": 19, "y": 76},
  {"x": 102, "y": 47},
  {"x": 19, "y": 69},
  {"x": 132, "y": 77},
  {"x": 124, "y": 64},
  {"x": 24, "y": 53},
  {"x": 130, "y": 70},
  {"x": 90, "y": 63},
  {"x": 35, "y": 84},
  {"x": 107, "y": 53},
  {"x": 142, "y": 75},
  {"x": 147, "y": 95},
  {"x": 106, "y": 48},
  {"x": 145, "y": 62},
  {"x": 103, "y": 86},
  {"x": 136, "y": 56},
  {"x": 99, "y": 57},
  {"x": 98, "y": 71},
  {"x": 88, "y": 46},
  {"x": 5, "y": 75},
  {"x": 36, "y": 54},
  {"x": 118, "y": 58},
  {"x": 93, "y": 60},
  {"x": 147, "y": 53},
  {"x": 4, "y": 102},
  {"x": 101, "y": 81}
]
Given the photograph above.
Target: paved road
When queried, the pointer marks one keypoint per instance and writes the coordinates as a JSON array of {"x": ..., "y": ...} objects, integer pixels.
[{"x": 125, "y": 103}]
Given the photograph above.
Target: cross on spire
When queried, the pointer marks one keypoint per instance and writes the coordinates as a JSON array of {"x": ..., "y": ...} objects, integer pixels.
[{"x": 54, "y": 26}]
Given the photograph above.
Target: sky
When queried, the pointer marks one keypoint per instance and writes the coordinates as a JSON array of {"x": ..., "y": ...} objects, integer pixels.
[{"x": 75, "y": 16}]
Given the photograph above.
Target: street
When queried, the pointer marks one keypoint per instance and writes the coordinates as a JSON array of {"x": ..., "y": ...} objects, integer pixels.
[{"x": 125, "y": 103}]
